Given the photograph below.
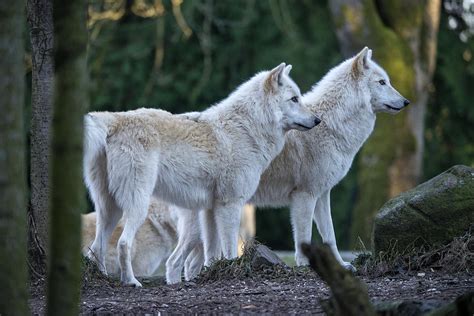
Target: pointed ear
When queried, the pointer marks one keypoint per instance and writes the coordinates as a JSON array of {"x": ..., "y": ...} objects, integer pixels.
[
  {"x": 368, "y": 55},
  {"x": 273, "y": 79},
  {"x": 288, "y": 69},
  {"x": 361, "y": 61}
]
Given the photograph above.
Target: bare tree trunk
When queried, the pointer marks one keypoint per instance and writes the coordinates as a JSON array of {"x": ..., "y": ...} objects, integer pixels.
[
  {"x": 403, "y": 36},
  {"x": 13, "y": 270},
  {"x": 68, "y": 194},
  {"x": 40, "y": 20}
]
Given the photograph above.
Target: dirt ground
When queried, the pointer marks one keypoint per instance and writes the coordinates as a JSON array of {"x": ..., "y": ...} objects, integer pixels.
[{"x": 297, "y": 293}]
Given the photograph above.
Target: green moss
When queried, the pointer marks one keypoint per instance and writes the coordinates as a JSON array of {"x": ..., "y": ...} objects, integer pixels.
[
  {"x": 412, "y": 15},
  {"x": 432, "y": 213},
  {"x": 353, "y": 18}
]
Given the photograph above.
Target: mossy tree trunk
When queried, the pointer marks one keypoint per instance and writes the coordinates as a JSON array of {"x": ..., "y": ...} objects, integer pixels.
[
  {"x": 13, "y": 268},
  {"x": 40, "y": 21},
  {"x": 68, "y": 195},
  {"x": 403, "y": 37}
]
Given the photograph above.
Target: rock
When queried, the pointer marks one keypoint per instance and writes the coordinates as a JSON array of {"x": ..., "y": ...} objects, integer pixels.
[
  {"x": 432, "y": 213},
  {"x": 263, "y": 256}
]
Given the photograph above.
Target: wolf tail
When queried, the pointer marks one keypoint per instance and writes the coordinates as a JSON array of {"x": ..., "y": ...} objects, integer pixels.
[{"x": 96, "y": 126}]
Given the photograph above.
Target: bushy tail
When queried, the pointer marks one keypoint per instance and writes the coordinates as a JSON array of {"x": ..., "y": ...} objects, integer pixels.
[{"x": 95, "y": 136}]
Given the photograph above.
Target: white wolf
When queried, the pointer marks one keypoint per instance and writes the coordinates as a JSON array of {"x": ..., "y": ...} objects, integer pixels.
[
  {"x": 312, "y": 163},
  {"x": 213, "y": 164}
]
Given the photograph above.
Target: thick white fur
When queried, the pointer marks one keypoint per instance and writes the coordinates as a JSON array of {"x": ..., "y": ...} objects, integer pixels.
[
  {"x": 212, "y": 163},
  {"x": 153, "y": 242},
  {"x": 156, "y": 239},
  {"x": 311, "y": 164}
]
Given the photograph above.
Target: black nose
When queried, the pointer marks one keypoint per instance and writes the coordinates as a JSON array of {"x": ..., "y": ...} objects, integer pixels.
[
  {"x": 317, "y": 120},
  {"x": 406, "y": 102}
]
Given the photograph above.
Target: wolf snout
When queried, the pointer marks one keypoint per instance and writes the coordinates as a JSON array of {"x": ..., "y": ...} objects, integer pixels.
[{"x": 406, "y": 102}]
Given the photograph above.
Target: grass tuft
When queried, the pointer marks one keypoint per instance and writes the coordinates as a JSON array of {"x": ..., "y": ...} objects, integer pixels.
[
  {"x": 91, "y": 275},
  {"x": 243, "y": 267},
  {"x": 456, "y": 256}
]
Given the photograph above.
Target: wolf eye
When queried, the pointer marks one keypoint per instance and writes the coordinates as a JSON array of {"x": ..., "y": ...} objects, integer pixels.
[
  {"x": 294, "y": 99},
  {"x": 382, "y": 82}
]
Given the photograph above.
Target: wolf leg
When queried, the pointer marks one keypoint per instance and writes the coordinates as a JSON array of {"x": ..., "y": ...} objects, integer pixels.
[
  {"x": 133, "y": 219},
  {"x": 188, "y": 238},
  {"x": 302, "y": 209},
  {"x": 210, "y": 239},
  {"x": 228, "y": 223},
  {"x": 108, "y": 215},
  {"x": 194, "y": 262},
  {"x": 322, "y": 218}
]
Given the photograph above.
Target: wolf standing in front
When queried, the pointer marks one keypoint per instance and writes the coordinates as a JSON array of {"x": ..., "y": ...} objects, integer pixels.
[{"x": 214, "y": 163}]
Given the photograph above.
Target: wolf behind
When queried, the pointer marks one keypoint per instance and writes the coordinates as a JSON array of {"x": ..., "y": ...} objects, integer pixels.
[
  {"x": 152, "y": 245},
  {"x": 212, "y": 163},
  {"x": 156, "y": 239},
  {"x": 302, "y": 176}
]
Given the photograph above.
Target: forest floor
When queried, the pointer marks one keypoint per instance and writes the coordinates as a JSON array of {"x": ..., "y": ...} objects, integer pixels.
[{"x": 297, "y": 291}]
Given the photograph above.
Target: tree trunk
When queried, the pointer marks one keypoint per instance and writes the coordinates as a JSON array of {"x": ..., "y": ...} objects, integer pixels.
[
  {"x": 40, "y": 20},
  {"x": 403, "y": 37},
  {"x": 68, "y": 195},
  {"x": 13, "y": 270}
]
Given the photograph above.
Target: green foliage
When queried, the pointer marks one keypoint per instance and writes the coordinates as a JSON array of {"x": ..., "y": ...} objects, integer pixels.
[
  {"x": 450, "y": 119},
  {"x": 243, "y": 38}
]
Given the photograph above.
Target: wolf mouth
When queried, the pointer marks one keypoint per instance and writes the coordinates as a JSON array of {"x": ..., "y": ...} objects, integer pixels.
[
  {"x": 391, "y": 107},
  {"x": 303, "y": 126}
]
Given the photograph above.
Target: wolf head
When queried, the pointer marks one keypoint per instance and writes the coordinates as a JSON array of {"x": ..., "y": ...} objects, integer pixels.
[
  {"x": 285, "y": 96},
  {"x": 383, "y": 97}
]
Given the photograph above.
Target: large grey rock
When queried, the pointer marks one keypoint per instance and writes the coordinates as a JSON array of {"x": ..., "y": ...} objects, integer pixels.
[{"x": 432, "y": 213}]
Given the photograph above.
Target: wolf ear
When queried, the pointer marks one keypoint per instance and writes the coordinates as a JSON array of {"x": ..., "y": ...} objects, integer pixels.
[
  {"x": 368, "y": 56},
  {"x": 288, "y": 69},
  {"x": 361, "y": 61},
  {"x": 273, "y": 79}
]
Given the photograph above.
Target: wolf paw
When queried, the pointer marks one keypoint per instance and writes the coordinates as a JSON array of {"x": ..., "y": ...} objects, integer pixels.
[
  {"x": 301, "y": 261},
  {"x": 93, "y": 258},
  {"x": 173, "y": 277},
  {"x": 133, "y": 283},
  {"x": 349, "y": 266}
]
